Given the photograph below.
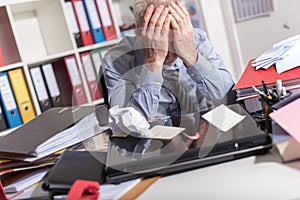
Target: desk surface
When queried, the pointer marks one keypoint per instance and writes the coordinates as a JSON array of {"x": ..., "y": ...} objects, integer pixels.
[{"x": 255, "y": 177}]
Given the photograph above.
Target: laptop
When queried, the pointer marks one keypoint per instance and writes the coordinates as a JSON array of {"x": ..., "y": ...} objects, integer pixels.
[{"x": 200, "y": 144}]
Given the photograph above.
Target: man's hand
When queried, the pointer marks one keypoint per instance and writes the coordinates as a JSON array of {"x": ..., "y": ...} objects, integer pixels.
[
  {"x": 183, "y": 37},
  {"x": 154, "y": 37}
]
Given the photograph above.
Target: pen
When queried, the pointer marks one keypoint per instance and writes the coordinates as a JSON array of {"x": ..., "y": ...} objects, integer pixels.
[
  {"x": 264, "y": 86},
  {"x": 259, "y": 93}
]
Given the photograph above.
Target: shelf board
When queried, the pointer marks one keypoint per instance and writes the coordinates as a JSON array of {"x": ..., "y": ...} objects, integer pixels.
[
  {"x": 50, "y": 58},
  {"x": 11, "y": 66},
  {"x": 99, "y": 45}
]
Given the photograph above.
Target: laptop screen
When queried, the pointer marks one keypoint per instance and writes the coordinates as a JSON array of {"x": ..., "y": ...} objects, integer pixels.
[{"x": 200, "y": 144}]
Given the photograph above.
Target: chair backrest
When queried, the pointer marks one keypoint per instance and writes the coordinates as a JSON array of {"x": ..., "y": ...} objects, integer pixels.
[{"x": 104, "y": 90}]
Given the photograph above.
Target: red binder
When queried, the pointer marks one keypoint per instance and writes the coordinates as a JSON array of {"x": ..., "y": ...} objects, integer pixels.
[
  {"x": 106, "y": 19},
  {"x": 69, "y": 81},
  {"x": 254, "y": 77},
  {"x": 85, "y": 31},
  {"x": 90, "y": 75},
  {"x": 2, "y": 58},
  {"x": 74, "y": 76}
]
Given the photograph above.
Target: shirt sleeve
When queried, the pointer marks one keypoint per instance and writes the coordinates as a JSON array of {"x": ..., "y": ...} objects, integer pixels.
[
  {"x": 209, "y": 72},
  {"x": 137, "y": 87}
]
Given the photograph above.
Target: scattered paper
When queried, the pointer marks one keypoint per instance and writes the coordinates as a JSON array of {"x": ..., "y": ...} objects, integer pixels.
[
  {"x": 116, "y": 191},
  {"x": 165, "y": 132},
  {"x": 127, "y": 120},
  {"x": 289, "y": 149},
  {"x": 284, "y": 54},
  {"x": 159, "y": 132},
  {"x": 223, "y": 117}
]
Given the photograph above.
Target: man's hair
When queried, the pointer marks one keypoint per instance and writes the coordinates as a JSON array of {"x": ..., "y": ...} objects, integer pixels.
[{"x": 140, "y": 7}]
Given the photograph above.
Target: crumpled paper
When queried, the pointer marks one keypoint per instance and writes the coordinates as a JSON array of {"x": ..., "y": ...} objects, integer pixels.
[{"x": 128, "y": 120}]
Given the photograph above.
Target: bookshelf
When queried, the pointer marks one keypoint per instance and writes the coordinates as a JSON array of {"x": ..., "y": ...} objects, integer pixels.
[{"x": 38, "y": 32}]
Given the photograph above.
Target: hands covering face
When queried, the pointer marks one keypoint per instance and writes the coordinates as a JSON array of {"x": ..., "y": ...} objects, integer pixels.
[{"x": 164, "y": 26}]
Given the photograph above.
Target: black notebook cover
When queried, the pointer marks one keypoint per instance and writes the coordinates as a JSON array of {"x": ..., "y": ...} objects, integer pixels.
[
  {"x": 23, "y": 141},
  {"x": 74, "y": 165}
]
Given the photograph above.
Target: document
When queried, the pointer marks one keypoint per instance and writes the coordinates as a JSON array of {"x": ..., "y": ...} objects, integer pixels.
[
  {"x": 287, "y": 118},
  {"x": 223, "y": 117},
  {"x": 26, "y": 181},
  {"x": 283, "y": 54}
]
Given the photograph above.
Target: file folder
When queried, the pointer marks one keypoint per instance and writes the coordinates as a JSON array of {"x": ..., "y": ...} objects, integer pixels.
[
  {"x": 22, "y": 95},
  {"x": 97, "y": 62},
  {"x": 85, "y": 31},
  {"x": 52, "y": 85},
  {"x": 71, "y": 17},
  {"x": 69, "y": 81},
  {"x": 3, "y": 125},
  {"x": 2, "y": 58},
  {"x": 10, "y": 109},
  {"x": 40, "y": 88},
  {"x": 90, "y": 76},
  {"x": 94, "y": 21},
  {"x": 106, "y": 19}
]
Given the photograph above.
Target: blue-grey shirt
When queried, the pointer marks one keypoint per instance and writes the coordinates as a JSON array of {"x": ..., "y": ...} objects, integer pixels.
[{"x": 176, "y": 91}]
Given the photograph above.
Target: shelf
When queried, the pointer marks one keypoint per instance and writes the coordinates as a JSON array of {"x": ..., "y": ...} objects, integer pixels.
[
  {"x": 41, "y": 29},
  {"x": 7, "y": 39},
  {"x": 10, "y": 67}
]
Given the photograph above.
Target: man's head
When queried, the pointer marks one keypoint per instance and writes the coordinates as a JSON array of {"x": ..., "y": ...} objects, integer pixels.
[{"x": 139, "y": 9}]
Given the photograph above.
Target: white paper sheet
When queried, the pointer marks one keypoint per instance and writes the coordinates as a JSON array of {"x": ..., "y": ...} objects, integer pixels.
[{"x": 223, "y": 117}]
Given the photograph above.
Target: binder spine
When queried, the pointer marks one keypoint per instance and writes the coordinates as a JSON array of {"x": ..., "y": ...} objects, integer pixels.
[
  {"x": 75, "y": 79},
  {"x": 71, "y": 17},
  {"x": 106, "y": 19},
  {"x": 8, "y": 101},
  {"x": 85, "y": 31},
  {"x": 90, "y": 76},
  {"x": 2, "y": 58},
  {"x": 22, "y": 95},
  {"x": 40, "y": 88},
  {"x": 52, "y": 85},
  {"x": 94, "y": 21},
  {"x": 3, "y": 124}
]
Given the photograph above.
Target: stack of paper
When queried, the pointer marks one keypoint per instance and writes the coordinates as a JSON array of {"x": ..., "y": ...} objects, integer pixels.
[
  {"x": 26, "y": 181},
  {"x": 54, "y": 130},
  {"x": 284, "y": 55}
]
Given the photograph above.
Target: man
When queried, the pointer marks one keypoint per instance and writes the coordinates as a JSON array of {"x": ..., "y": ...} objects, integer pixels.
[{"x": 169, "y": 68}]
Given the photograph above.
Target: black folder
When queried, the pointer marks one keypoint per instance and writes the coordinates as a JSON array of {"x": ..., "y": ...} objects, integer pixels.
[
  {"x": 3, "y": 124},
  {"x": 22, "y": 142},
  {"x": 74, "y": 165}
]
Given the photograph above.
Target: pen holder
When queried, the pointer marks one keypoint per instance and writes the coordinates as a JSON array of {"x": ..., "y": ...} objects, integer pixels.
[{"x": 267, "y": 121}]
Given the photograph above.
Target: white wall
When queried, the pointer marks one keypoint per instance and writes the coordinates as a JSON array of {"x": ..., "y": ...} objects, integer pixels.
[
  {"x": 238, "y": 42},
  {"x": 217, "y": 32}
]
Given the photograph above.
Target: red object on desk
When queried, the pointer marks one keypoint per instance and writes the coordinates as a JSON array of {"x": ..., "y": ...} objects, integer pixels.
[
  {"x": 254, "y": 77},
  {"x": 2, "y": 192},
  {"x": 84, "y": 190}
]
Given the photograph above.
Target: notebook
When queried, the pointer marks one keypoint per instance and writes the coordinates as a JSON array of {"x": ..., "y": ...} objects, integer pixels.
[
  {"x": 201, "y": 144},
  {"x": 74, "y": 165}
]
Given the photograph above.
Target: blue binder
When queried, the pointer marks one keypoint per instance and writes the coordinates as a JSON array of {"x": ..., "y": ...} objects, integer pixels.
[
  {"x": 10, "y": 109},
  {"x": 94, "y": 21}
]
